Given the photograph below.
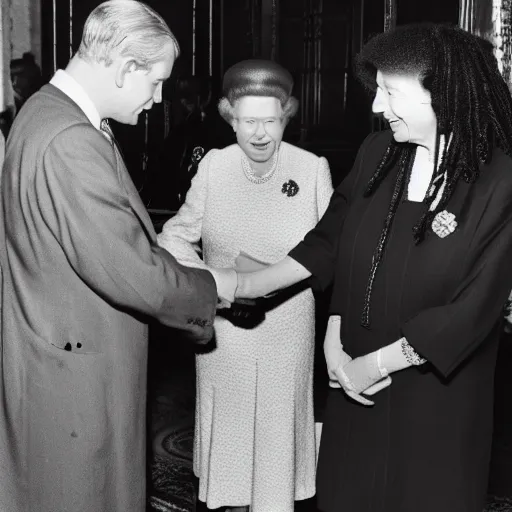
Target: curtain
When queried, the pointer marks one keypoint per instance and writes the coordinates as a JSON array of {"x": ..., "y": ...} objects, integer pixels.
[
  {"x": 6, "y": 96},
  {"x": 491, "y": 19}
]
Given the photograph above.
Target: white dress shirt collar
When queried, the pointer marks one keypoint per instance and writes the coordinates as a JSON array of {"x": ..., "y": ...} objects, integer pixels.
[{"x": 70, "y": 87}]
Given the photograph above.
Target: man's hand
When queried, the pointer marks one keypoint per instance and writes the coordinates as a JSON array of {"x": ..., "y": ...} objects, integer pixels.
[{"x": 226, "y": 282}]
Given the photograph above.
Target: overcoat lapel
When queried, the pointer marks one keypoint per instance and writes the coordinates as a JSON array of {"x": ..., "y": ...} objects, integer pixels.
[{"x": 135, "y": 201}]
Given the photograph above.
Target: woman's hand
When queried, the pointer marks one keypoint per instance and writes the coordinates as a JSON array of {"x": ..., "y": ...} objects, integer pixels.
[
  {"x": 260, "y": 283},
  {"x": 364, "y": 375},
  {"x": 246, "y": 263},
  {"x": 379, "y": 386},
  {"x": 336, "y": 359}
]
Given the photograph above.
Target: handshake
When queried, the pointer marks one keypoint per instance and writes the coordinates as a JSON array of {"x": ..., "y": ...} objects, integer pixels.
[{"x": 246, "y": 313}]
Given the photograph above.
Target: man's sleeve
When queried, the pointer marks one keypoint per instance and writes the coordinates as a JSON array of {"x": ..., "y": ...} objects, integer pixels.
[{"x": 87, "y": 209}]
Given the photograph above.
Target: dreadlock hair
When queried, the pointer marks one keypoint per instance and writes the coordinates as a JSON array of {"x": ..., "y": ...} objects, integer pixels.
[{"x": 470, "y": 99}]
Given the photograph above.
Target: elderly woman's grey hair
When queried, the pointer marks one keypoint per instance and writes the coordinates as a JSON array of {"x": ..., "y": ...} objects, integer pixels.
[
  {"x": 257, "y": 77},
  {"x": 227, "y": 110}
]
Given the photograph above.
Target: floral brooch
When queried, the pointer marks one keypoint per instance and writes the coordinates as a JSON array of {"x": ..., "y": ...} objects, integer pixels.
[
  {"x": 290, "y": 188},
  {"x": 444, "y": 223}
]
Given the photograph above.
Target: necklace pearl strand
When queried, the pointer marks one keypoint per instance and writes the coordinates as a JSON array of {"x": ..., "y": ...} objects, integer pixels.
[{"x": 253, "y": 178}]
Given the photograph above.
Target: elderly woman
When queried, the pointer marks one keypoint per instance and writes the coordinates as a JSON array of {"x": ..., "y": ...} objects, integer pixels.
[
  {"x": 250, "y": 204},
  {"x": 418, "y": 242}
]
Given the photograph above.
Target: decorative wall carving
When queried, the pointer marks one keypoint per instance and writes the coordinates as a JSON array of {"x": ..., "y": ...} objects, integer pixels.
[
  {"x": 502, "y": 36},
  {"x": 491, "y": 19}
]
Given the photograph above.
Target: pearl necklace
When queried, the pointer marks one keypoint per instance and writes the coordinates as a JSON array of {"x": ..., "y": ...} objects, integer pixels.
[{"x": 253, "y": 178}]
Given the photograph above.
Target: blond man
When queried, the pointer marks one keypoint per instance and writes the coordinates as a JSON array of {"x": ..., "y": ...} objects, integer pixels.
[{"x": 81, "y": 276}]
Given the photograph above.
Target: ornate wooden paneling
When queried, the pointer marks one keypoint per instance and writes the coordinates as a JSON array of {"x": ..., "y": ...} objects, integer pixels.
[
  {"x": 316, "y": 44},
  {"x": 317, "y": 41}
]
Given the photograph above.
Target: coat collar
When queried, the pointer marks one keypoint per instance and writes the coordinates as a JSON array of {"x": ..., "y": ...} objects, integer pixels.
[
  {"x": 125, "y": 179},
  {"x": 71, "y": 88}
]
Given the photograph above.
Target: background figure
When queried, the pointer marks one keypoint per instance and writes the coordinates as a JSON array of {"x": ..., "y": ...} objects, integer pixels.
[
  {"x": 189, "y": 139},
  {"x": 418, "y": 242},
  {"x": 180, "y": 134},
  {"x": 26, "y": 78},
  {"x": 249, "y": 204},
  {"x": 82, "y": 274},
  {"x": 196, "y": 128}
]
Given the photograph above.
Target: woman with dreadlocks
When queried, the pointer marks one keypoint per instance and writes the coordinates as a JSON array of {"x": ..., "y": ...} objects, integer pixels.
[{"x": 418, "y": 243}]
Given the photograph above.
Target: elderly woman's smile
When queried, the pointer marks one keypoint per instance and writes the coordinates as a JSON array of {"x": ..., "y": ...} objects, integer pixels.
[
  {"x": 259, "y": 126},
  {"x": 261, "y": 145}
]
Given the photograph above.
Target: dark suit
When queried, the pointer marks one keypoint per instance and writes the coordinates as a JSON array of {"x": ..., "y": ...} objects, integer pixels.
[{"x": 81, "y": 275}]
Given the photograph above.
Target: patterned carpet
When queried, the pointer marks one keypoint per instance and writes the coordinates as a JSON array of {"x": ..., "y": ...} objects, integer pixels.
[
  {"x": 172, "y": 396},
  {"x": 171, "y": 402},
  {"x": 499, "y": 505},
  {"x": 172, "y": 477}
]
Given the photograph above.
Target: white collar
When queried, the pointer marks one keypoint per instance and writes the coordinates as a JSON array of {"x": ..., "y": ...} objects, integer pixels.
[
  {"x": 70, "y": 87},
  {"x": 421, "y": 174}
]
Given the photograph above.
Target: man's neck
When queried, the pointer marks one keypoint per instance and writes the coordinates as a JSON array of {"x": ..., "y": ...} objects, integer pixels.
[{"x": 94, "y": 79}]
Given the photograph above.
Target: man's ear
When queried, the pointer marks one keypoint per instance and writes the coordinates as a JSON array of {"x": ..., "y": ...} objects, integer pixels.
[
  {"x": 124, "y": 68},
  {"x": 234, "y": 124}
]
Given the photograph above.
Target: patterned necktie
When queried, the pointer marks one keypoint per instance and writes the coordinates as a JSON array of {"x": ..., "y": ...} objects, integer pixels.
[{"x": 105, "y": 128}]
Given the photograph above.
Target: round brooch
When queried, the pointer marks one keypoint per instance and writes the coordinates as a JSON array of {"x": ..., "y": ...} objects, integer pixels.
[
  {"x": 290, "y": 188},
  {"x": 444, "y": 223}
]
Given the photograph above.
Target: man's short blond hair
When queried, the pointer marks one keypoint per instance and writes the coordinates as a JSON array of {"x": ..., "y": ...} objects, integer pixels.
[{"x": 126, "y": 28}]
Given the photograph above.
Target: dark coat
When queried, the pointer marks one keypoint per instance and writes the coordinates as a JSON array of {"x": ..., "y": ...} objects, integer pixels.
[{"x": 81, "y": 275}]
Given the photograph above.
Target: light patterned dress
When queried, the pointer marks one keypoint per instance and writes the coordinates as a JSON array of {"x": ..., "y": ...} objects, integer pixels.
[{"x": 255, "y": 433}]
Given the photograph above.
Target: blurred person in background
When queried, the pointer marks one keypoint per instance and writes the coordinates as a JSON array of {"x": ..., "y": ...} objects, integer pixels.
[{"x": 26, "y": 78}]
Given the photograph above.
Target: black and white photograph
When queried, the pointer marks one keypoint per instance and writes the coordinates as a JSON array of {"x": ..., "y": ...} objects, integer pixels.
[{"x": 255, "y": 256}]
